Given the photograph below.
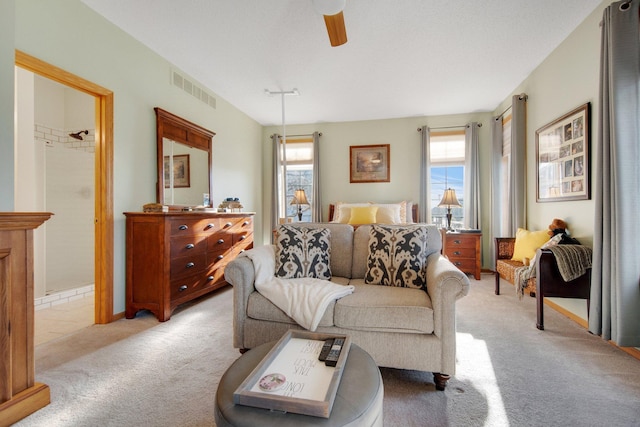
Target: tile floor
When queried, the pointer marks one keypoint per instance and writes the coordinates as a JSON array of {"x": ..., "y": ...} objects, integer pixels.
[{"x": 62, "y": 319}]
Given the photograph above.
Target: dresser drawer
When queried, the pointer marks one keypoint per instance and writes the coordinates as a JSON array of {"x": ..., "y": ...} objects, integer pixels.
[
  {"x": 219, "y": 241},
  {"x": 193, "y": 226},
  {"x": 460, "y": 252},
  {"x": 465, "y": 265},
  {"x": 188, "y": 265},
  {"x": 460, "y": 241},
  {"x": 188, "y": 245},
  {"x": 184, "y": 286}
]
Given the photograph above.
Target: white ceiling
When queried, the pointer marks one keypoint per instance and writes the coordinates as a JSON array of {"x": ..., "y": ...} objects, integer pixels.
[{"x": 404, "y": 58}]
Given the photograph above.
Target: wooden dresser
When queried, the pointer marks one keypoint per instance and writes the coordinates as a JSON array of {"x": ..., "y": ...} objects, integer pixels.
[
  {"x": 175, "y": 257},
  {"x": 463, "y": 250}
]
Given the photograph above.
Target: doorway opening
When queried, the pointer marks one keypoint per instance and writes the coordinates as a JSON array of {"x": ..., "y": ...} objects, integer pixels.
[{"x": 103, "y": 177}]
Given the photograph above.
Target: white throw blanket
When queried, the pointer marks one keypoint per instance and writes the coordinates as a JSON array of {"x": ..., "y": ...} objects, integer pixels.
[{"x": 304, "y": 300}]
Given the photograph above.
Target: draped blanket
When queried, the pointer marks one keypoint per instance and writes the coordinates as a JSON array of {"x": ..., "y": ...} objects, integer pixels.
[
  {"x": 303, "y": 299},
  {"x": 573, "y": 261}
]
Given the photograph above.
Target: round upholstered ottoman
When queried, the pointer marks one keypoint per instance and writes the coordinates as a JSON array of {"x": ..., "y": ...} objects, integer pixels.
[{"x": 358, "y": 400}]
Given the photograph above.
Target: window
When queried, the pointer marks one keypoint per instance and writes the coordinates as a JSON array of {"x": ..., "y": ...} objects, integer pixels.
[
  {"x": 299, "y": 167},
  {"x": 447, "y": 171}
]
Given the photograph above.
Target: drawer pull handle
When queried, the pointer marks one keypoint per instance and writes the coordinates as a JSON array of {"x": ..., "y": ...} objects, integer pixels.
[
  {"x": 210, "y": 278},
  {"x": 457, "y": 242},
  {"x": 227, "y": 225},
  {"x": 183, "y": 288},
  {"x": 243, "y": 237},
  {"x": 183, "y": 227},
  {"x": 190, "y": 246},
  {"x": 241, "y": 251},
  {"x": 220, "y": 256},
  {"x": 456, "y": 252},
  {"x": 190, "y": 265},
  {"x": 457, "y": 264},
  {"x": 220, "y": 241},
  {"x": 210, "y": 225},
  {"x": 246, "y": 223}
]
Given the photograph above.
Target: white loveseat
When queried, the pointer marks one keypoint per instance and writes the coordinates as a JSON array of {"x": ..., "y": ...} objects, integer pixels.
[{"x": 400, "y": 327}]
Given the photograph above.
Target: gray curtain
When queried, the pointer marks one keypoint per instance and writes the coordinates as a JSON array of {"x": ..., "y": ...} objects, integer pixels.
[
  {"x": 615, "y": 283},
  {"x": 275, "y": 183},
  {"x": 496, "y": 196},
  {"x": 471, "y": 176},
  {"x": 424, "y": 210},
  {"x": 316, "y": 213},
  {"x": 517, "y": 170}
]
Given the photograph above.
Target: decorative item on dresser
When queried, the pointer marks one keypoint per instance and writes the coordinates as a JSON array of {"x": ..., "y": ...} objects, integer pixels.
[
  {"x": 174, "y": 257},
  {"x": 463, "y": 250}
]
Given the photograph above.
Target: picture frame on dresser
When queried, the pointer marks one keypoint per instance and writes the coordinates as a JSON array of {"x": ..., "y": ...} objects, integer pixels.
[{"x": 563, "y": 159}]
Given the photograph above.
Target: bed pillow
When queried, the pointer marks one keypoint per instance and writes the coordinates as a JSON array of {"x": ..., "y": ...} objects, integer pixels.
[
  {"x": 401, "y": 205},
  {"x": 388, "y": 215},
  {"x": 363, "y": 215},
  {"x": 342, "y": 211},
  {"x": 397, "y": 256},
  {"x": 303, "y": 252},
  {"x": 527, "y": 242}
]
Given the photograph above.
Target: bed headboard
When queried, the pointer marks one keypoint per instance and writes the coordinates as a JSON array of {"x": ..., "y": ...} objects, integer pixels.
[{"x": 414, "y": 211}]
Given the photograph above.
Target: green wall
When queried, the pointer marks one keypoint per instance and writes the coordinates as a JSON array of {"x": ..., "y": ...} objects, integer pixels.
[{"x": 70, "y": 35}]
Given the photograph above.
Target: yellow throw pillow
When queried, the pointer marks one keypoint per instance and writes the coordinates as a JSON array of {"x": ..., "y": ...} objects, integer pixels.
[
  {"x": 527, "y": 242},
  {"x": 363, "y": 215}
]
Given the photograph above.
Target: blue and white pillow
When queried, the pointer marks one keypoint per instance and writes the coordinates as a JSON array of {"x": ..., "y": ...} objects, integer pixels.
[
  {"x": 303, "y": 252},
  {"x": 397, "y": 256}
]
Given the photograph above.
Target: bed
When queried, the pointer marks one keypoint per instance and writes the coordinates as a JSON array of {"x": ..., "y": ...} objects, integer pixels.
[{"x": 388, "y": 213}]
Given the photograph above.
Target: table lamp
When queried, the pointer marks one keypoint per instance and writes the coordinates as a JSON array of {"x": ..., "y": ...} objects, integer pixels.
[
  {"x": 299, "y": 199},
  {"x": 449, "y": 200}
]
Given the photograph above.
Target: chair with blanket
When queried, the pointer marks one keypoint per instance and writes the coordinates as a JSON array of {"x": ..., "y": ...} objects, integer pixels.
[{"x": 557, "y": 271}]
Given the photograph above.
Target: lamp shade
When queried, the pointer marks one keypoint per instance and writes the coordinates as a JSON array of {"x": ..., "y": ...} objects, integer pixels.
[
  {"x": 449, "y": 198},
  {"x": 299, "y": 198}
]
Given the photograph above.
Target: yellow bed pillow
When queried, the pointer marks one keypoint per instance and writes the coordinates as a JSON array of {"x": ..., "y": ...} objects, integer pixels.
[
  {"x": 363, "y": 215},
  {"x": 527, "y": 242}
]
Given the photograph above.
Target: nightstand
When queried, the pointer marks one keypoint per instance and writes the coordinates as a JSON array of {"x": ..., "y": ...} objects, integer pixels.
[{"x": 463, "y": 250}]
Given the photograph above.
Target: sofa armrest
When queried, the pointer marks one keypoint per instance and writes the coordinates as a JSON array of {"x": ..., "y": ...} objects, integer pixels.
[
  {"x": 240, "y": 273},
  {"x": 445, "y": 284}
]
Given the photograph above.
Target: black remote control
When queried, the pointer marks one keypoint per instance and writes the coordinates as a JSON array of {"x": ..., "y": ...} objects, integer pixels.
[
  {"x": 332, "y": 357},
  {"x": 328, "y": 343}
]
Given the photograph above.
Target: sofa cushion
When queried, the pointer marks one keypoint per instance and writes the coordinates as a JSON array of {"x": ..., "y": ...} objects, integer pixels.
[
  {"x": 341, "y": 245},
  {"x": 397, "y": 256},
  {"x": 260, "y": 308},
  {"x": 303, "y": 252},
  {"x": 385, "y": 309}
]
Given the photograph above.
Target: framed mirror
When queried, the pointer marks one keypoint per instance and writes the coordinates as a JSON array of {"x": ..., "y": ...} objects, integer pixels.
[{"x": 184, "y": 161}]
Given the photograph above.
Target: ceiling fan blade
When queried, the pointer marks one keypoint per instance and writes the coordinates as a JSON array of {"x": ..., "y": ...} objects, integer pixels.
[{"x": 336, "y": 29}]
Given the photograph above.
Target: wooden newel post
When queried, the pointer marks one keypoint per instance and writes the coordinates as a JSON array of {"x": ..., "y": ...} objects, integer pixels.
[{"x": 20, "y": 395}]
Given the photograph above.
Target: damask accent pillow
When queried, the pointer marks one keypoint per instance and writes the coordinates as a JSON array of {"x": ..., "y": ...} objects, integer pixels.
[
  {"x": 303, "y": 252},
  {"x": 397, "y": 256}
]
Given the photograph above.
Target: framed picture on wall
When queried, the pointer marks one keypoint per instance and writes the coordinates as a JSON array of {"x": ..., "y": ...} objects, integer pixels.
[
  {"x": 562, "y": 158},
  {"x": 181, "y": 171},
  {"x": 369, "y": 163}
]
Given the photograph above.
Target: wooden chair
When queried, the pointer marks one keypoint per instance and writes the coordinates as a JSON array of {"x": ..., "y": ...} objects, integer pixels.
[{"x": 548, "y": 281}]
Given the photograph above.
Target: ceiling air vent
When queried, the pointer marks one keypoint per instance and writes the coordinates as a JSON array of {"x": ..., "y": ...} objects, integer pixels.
[{"x": 192, "y": 88}]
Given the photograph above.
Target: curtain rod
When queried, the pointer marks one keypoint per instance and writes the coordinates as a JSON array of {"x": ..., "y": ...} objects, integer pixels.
[
  {"x": 449, "y": 127},
  {"x": 295, "y": 136}
]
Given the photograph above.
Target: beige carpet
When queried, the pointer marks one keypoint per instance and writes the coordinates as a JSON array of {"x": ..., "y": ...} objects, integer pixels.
[{"x": 146, "y": 373}]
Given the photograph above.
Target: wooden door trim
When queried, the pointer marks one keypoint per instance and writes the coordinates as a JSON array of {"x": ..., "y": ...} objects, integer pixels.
[{"x": 103, "y": 176}]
